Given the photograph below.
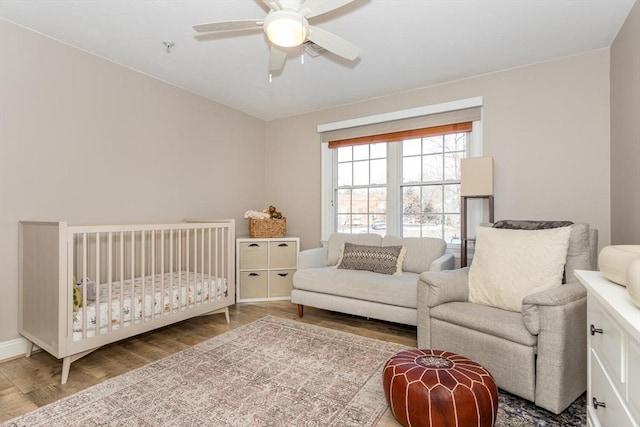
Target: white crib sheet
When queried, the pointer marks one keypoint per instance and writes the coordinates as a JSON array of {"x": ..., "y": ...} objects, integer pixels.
[{"x": 168, "y": 292}]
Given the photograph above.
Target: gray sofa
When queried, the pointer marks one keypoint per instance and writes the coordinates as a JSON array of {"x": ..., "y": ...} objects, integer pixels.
[
  {"x": 540, "y": 353},
  {"x": 318, "y": 283}
]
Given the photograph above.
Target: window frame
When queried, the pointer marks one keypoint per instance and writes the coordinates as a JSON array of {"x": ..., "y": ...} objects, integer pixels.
[{"x": 394, "y": 185}]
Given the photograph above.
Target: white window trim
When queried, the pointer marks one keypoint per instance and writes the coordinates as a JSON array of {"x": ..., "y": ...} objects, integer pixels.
[
  {"x": 475, "y": 150},
  {"x": 403, "y": 114}
]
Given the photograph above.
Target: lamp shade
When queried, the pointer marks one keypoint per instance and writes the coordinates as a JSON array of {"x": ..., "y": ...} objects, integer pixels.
[{"x": 476, "y": 176}]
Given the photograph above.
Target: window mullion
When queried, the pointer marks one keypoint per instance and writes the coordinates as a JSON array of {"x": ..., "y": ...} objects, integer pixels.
[{"x": 394, "y": 192}]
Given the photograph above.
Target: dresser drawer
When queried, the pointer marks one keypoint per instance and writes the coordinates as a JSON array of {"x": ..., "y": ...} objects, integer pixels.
[
  {"x": 283, "y": 254},
  {"x": 254, "y": 284},
  {"x": 605, "y": 338},
  {"x": 265, "y": 268},
  {"x": 280, "y": 283},
  {"x": 253, "y": 255},
  {"x": 613, "y": 413}
]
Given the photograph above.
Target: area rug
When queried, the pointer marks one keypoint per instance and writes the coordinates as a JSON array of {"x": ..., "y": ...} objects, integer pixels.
[{"x": 271, "y": 372}]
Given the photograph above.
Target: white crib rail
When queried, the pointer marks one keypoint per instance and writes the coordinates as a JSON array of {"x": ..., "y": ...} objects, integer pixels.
[{"x": 136, "y": 265}]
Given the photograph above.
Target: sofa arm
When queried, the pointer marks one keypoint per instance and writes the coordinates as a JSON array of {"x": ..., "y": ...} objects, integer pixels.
[
  {"x": 445, "y": 262},
  {"x": 445, "y": 286},
  {"x": 312, "y": 258},
  {"x": 560, "y": 296}
]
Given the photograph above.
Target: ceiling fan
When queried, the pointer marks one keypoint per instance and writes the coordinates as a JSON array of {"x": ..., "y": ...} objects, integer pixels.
[{"x": 286, "y": 26}]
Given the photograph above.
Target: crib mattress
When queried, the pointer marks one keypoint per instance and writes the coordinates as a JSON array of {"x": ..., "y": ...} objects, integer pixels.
[{"x": 162, "y": 294}]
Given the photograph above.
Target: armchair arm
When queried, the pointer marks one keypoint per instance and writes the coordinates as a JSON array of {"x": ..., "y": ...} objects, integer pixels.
[
  {"x": 443, "y": 286},
  {"x": 445, "y": 262},
  {"x": 434, "y": 288},
  {"x": 560, "y": 296},
  {"x": 559, "y": 318},
  {"x": 312, "y": 258}
]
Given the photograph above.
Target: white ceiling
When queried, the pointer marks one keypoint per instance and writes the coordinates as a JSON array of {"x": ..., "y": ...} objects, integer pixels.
[{"x": 405, "y": 44}]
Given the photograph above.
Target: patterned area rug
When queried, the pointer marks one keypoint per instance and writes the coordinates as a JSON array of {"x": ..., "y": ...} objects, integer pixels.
[{"x": 271, "y": 372}]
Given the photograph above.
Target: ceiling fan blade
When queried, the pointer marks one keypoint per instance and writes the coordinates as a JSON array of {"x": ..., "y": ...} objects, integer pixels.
[
  {"x": 244, "y": 24},
  {"x": 333, "y": 43},
  {"x": 312, "y": 8},
  {"x": 277, "y": 58},
  {"x": 273, "y": 4}
]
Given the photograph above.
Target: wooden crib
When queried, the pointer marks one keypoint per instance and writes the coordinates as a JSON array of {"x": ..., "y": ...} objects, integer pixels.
[{"x": 82, "y": 287}]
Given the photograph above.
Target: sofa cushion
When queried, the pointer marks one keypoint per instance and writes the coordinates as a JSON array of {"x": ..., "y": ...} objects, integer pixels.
[
  {"x": 510, "y": 264},
  {"x": 360, "y": 284},
  {"x": 379, "y": 259},
  {"x": 337, "y": 239},
  {"x": 421, "y": 251}
]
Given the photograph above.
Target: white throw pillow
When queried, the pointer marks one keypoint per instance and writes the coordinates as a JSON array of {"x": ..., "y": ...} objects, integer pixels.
[{"x": 511, "y": 264}]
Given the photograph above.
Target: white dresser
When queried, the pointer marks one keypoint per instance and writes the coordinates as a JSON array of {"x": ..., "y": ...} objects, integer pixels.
[
  {"x": 265, "y": 268},
  {"x": 613, "y": 328}
]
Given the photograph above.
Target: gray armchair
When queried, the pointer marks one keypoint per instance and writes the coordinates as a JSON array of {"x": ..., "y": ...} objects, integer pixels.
[{"x": 540, "y": 353}]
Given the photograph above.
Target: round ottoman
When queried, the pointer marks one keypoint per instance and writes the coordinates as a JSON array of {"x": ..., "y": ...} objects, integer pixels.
[{"x": 439, "y": 388}]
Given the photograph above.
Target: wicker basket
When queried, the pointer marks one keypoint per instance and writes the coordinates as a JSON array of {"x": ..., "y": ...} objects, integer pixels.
[{"x": 267, "y": 227}]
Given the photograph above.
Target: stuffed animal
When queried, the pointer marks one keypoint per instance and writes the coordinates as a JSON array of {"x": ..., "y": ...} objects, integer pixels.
[
  {"x": 77, "y": 296},
  {"x": 273, "y": 213}
]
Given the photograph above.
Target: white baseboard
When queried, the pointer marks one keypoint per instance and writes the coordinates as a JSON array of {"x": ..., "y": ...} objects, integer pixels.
[{"x": 13, "y": 348}]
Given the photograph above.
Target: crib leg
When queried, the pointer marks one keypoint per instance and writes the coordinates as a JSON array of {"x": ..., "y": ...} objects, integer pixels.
[
  {"x": 226, "y": 313},
  {"x": 29, "y": 349},
  {"x": 66, "y": 366}
]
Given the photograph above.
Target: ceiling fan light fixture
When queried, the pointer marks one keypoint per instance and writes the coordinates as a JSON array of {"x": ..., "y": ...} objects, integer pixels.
[{"x": 286, "y": 28}]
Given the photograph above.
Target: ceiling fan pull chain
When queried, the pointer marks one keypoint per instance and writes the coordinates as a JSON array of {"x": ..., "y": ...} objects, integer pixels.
[
  {"x": 302, "y": 58},
  {"x": 270, "y": 77}
]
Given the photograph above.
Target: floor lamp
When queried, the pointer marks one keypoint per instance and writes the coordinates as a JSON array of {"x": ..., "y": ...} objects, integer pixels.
[{"x": 476, "y": 182}]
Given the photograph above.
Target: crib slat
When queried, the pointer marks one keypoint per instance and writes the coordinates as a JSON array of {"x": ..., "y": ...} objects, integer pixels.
[
  {"x": 153, "y": 274},
  {"x": 143, "y": 295},
  {"x": 84, "y": 284},
  {"x": 212, "y": 292},
  {"x": 201, "y": 275},
  {"x": 218, "y": 242},
  {"x": 121, "y": 290},
  {"x": 97, "y": 284},
  {"x": 109, "y": 282},
  {"x": 163, "y": 274},
  {"x": 171, "y": 255},
  {"x": 132, "y": 275},
  {"x": 186, "y": 268}
]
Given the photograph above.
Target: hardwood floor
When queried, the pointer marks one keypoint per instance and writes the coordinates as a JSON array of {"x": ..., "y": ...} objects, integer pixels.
[{"x": 28, "y": 383}]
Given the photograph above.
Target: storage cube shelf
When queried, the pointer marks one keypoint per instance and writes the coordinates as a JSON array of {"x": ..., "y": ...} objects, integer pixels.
[{"x": 265, "y": 268}]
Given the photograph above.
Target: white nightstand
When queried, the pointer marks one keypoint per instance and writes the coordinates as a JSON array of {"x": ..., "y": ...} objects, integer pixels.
[
  {"x": 265, "y": 268},
  {"x": 613, "y": 328}
]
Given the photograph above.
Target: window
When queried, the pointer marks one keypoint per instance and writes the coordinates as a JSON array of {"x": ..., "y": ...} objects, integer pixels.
[
  {"x": 430, "y": 187},
  {"x": 399, "y": 172},
  {"x": 422, "y": 173},
  {"x": 360, "y": 191}
]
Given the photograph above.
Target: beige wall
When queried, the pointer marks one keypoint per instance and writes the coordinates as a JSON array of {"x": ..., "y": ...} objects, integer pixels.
[
  {"x": 546, "y": 125},
  {"x": 85, "y": 140},
  {"x": 625, "y": 132}
]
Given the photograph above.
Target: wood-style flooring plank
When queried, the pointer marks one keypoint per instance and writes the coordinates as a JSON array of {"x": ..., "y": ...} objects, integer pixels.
[{"x": 28, "y": 383}]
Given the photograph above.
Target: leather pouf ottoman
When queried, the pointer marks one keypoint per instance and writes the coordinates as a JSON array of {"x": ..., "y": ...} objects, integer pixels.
[{"x": 437, "y": 388}]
